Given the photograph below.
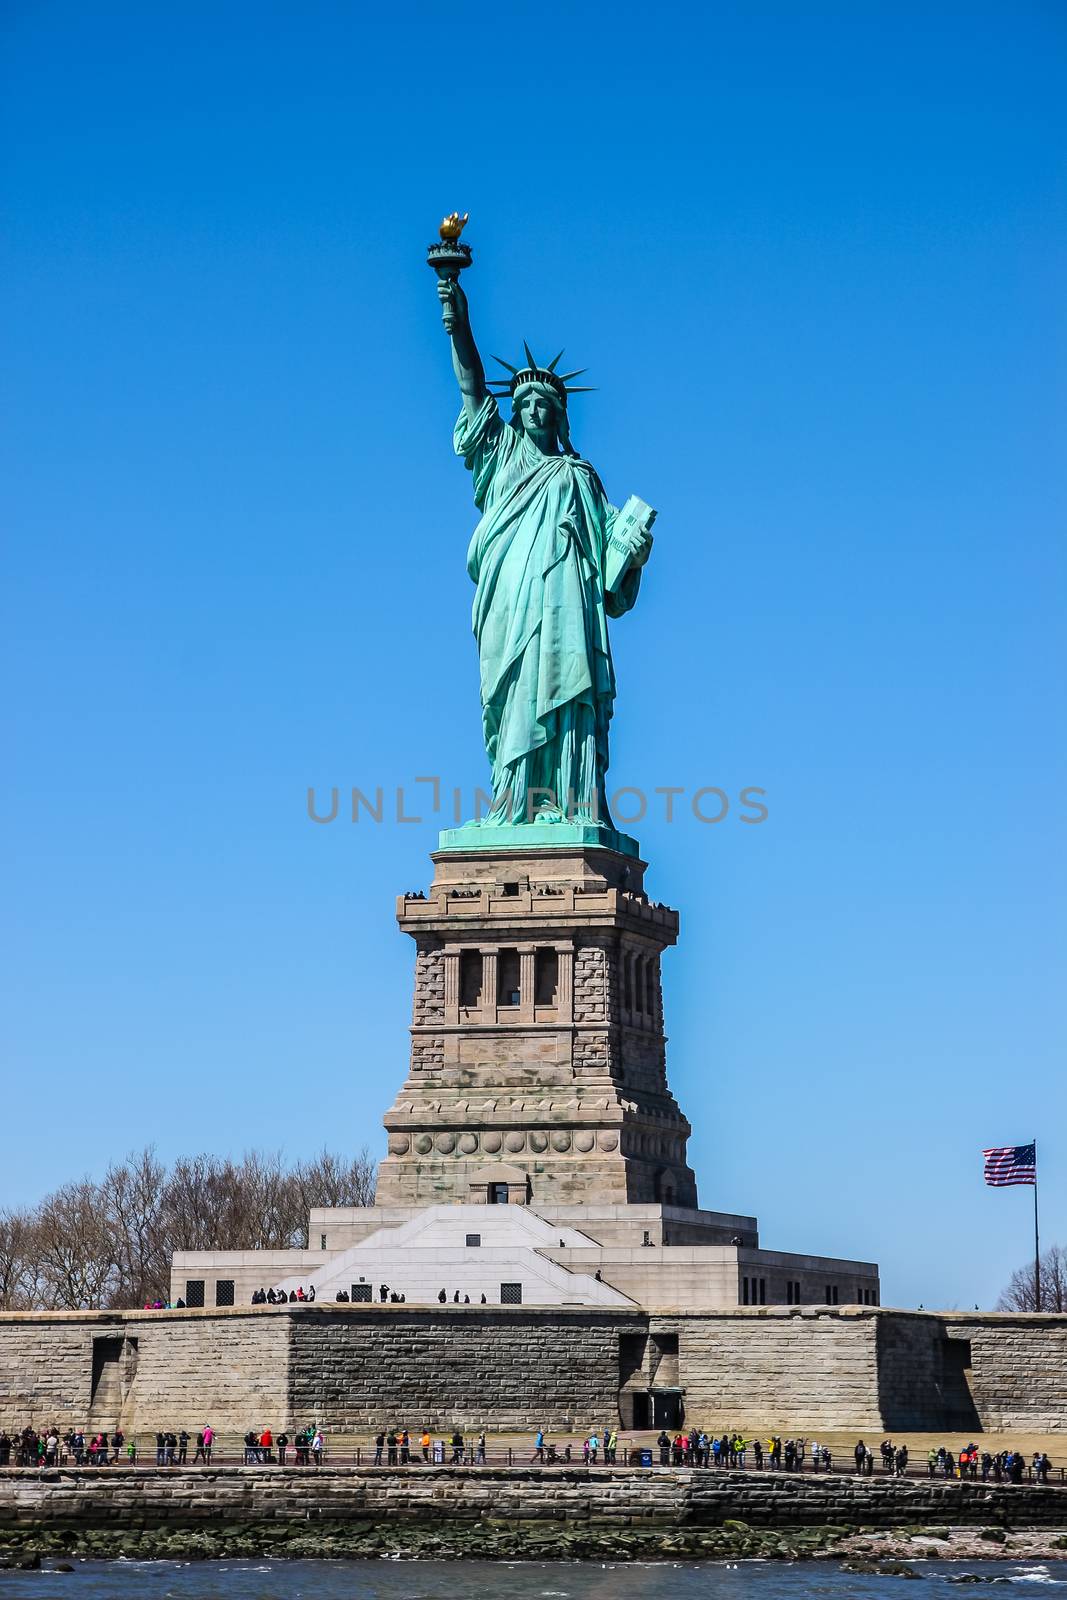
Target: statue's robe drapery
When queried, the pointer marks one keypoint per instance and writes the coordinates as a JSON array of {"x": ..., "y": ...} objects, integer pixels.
[{"x": 540, "y": 619}]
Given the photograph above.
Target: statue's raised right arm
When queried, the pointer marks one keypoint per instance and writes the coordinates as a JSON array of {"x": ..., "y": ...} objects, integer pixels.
[{"x": 470, "y": 374}]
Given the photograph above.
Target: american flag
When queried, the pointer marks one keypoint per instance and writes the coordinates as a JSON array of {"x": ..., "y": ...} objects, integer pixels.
[{"x": 1011, "y": 1163}]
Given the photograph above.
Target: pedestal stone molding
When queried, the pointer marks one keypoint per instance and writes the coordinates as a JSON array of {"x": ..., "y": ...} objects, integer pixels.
[{"x": 537, "y": 1035}]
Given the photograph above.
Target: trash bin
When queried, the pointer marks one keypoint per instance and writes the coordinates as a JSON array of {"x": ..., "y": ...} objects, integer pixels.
[
  {"x": 438, "y": 1452},
  {"x": 645, "y": 1458}
]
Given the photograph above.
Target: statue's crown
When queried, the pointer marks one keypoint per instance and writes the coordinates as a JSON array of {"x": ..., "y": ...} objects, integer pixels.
[{"x": 533, "y": 373}]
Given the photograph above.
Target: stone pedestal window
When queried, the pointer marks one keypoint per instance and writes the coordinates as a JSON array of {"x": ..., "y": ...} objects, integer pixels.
[
  {"x": 470, "y": 979},
  {"x": 546, "y": 977},
  {"x": 508, "y": 978}
]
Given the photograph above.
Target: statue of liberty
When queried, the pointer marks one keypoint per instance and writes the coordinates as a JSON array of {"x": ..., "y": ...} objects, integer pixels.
[{"x": 552, "y": 560}]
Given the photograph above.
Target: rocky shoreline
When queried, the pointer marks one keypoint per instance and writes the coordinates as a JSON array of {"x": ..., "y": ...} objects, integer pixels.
[
  {"x": 490, "y": 1539},
  {"x": 519, "y": 1513}
]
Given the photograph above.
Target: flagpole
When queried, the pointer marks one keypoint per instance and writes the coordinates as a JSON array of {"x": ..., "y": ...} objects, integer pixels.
[{"x": 1037, "y": 1242}]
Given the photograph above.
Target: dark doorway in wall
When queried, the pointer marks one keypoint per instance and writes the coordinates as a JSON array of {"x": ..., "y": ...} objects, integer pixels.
[
  {"x": 496, "y": 1194},
  {"x": 957, "y": 1398},
  {"x": 106, "y": 1393},
  {"x": 667, "y": 1409},
  {"x": 642, "y": 1411}
]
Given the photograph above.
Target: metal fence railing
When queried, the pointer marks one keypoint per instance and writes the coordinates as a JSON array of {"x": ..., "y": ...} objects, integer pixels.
[{"x": 628, "y": 1454}]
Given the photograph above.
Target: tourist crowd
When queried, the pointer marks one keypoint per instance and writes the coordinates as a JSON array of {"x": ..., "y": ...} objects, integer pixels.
[
  {"x": 308, "y": 1445},
  {"x": 400, "y": 1447},
  {"x": 1006, "y": 1466},
  {"x": 45, "y": 1448}
]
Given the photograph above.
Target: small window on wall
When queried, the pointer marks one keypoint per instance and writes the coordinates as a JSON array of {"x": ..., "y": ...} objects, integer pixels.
[
  {"x": 224, "y": 1291},
  {"x": 470, "y": 978},
  {"x": 546, "y": 977},
  {"x": 511, "y": 1294},
  {"x": 194, "y": 1291},
  {"x": 361, "y": 1291},
  {"x": 507, "y": 978},
  {"x": 473, "y": 1240},
  {"x": 792, "y": 1292},
  {"x": 831, "y": 1294}
]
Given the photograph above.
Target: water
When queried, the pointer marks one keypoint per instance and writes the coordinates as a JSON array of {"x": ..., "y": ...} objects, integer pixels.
[{"x": 435, "y": 1580}]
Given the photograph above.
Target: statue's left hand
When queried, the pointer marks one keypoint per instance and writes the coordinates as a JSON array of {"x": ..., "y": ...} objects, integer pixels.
[{"x": 642, "y": 547}]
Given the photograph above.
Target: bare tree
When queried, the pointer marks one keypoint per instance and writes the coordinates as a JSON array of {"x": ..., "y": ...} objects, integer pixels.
[
  {"x": 75, "y": 1254},
  {"x": 134, "y": 1207},
  {"x": 1021, "y": 1292},
  {"x": 19, "y": 1277},
  {"x": 109, "y": 1243},
  {"x": 328, "y": 1180}
]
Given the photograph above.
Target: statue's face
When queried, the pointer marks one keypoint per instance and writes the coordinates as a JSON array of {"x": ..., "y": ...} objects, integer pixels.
[{"x": 537, "y": 414}]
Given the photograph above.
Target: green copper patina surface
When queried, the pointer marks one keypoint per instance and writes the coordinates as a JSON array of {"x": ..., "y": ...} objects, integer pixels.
[
  {"x": 551, "y": 559},
  {"x": 554, "y": 834}
]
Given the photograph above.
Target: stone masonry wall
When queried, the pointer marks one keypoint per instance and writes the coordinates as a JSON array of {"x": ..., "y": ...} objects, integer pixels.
[
  {"x": 475, "y": 1367},
  {"x": 177, "y": 1368},
  {"x": 46, "y": 1367},
  {"x": 909, "y": 1370},
  {"x": 590, "y": 983},
  {"x": 72, "y": 1498},
  {"x": 1018, "y": 1370},
  {"x": 516, "y": 1367},
  {"x": 429, "y": 984},
  {"x": 1016, "y": 1376},
  {"x": 231, "y": 1370},
  {"x": 773, "y": 1369}
]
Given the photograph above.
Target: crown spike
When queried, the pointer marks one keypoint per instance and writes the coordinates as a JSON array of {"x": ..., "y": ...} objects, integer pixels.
[
  {"x": 500, "y": 360},
  {"x": 583, "y": 388},
  {"x": 566, "y": 376},
  {"x": 529, "y": 354},
  {"x": 552, "y": 364}
]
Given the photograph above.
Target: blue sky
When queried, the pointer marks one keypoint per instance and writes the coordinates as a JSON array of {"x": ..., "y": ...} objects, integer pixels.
[{"x": 813, "y": 257}]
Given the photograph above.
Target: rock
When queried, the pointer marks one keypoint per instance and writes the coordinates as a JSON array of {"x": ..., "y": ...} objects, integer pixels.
[
  {"x": 994, "y": 1535},
  {"x": 882, "y": 1569}
]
